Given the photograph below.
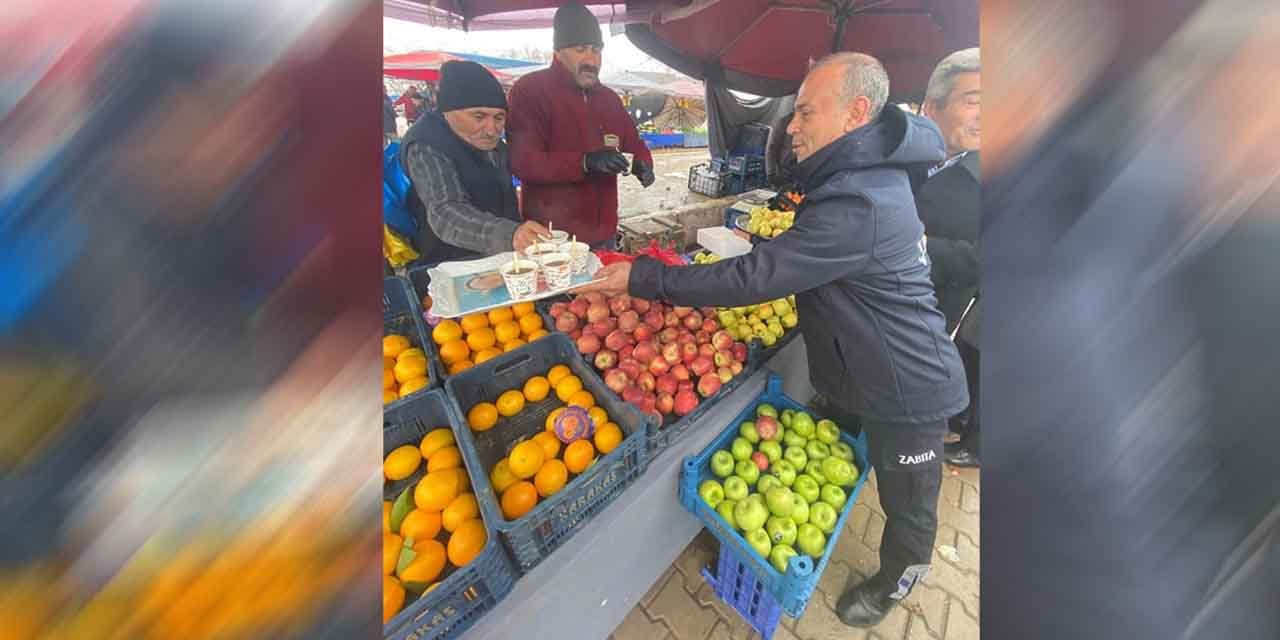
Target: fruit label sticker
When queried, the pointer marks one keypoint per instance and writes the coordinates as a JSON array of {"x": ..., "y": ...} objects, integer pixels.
[{"x": 574, "y": 424}]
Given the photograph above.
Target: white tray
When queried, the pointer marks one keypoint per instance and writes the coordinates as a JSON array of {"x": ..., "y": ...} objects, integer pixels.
[{"x": 461, "y": 288}]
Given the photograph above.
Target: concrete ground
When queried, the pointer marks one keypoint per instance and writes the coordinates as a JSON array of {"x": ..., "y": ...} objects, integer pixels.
[
  {"x": 944, "y": 606},
  {"x": 669, "y": 190}
]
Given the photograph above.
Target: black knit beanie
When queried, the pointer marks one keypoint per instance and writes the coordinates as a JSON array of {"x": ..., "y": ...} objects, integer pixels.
[
  {"x": 465, "y": 84},
  {"x": 575, "y": 25}
]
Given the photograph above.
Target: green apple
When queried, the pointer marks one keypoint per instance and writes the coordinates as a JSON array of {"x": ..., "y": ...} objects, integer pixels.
[
  {"x": 799, "y": 511},
  {"x": 766, "y": 482},
  {"x": 768, "y": 339},
  {"x": 766, "y": 410},
  {"x": 833, "y": 495},
  {"x": 781, "y": 530},
  {"x": 775, "y": 328},
  {"x": 726, "y": 512},
  {"x": 802, "y": 423},
  {"x": 722, "y": 463},
  {"x": 735, "y": 488},
  {"x": 741, "y": 449},
  {"x": 814, "y": 468},
  {"x": 817, "y": 450},
  {"x": 793, "y": 439},
  {"x": 790, "y": 320},
  {"x": 771, "y": 450},
  {"x": 779, "y": 501},
  {"x": 750, "y": 514},
  {"x": 759, "y": 540},
  {"x": 823, "y": 516},
  {"x": 827, "y": 432},
  {"x": 712, "y": 493},
  {"x": 788, "y": 415},
  {"x": 796, "y": 456},
  {"x": 784, "y": 471},
  {"x": 748, "y": 432},
  {"x": 807, "y": 487},
  {"x": 838, "y": 471},
  {"x": 842, "y": 451},
  {"x": 780, "y": 307},
  {"x": 810, "y": 540},
  {"x": 780, "y": 556},
  {"x": 747, "y": 470}
]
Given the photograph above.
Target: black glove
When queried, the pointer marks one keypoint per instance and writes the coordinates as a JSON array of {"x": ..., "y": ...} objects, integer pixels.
[
  {"x": 604, "y": 161},
  {"x": 643, "y": 172}
]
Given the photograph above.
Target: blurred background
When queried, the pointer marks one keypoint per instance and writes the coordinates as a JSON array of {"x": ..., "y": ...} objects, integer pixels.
[
  {"x": 1131, "y": 231},
  {"x": 187, "y": 336}
]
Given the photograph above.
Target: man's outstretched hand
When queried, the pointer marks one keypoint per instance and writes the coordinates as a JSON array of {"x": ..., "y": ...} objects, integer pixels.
[
  {"x": 613, "y": 280},
  {"x": 643, "y": 172},
  {"x": 529, "y": 233}
]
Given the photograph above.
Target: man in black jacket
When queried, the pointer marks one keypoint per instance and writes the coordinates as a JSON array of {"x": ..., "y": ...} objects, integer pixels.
[
  {"x": 855, "y": 259},
  {"x": 950, "y": 208}
]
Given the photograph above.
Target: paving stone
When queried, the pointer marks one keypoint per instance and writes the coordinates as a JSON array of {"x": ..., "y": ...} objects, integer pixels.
[
  {"x": 783, "y": 632},
  {"x": 833, "y": 582},
  {"x": 970, "y": 554},
  {"x": 946, "y": 534},
  {"x": 819, "y": 622},
  {"x": 960, "y": 626},
  {"x": 917, "y": 630},
  {"x": 856, "y": 525},
  {"x": 894, "y": 625},
  {"x": 657, "y": 586},
  {"x": 637, "y": 626},
  {"x": 875, "y": 530},
  {"x": 969, "y": 499},
  {"x": 963, "y": 587},
  {"x": 951, "y": 490},
  {"x": 856, "y": 555},
  {"x": 684, "y": 616},
  {"x": 695, "y": 557},
  {"x": 961, "y": 521},
  {"x": 928, "y": 607}
]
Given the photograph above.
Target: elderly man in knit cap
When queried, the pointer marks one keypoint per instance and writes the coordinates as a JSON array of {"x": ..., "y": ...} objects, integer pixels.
[
  {"x": 568, "y": 133},
  {"x": 458, "y": 163}
]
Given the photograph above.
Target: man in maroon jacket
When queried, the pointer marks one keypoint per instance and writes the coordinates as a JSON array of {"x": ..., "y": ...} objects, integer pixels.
[{"x": 567, "y": 132}]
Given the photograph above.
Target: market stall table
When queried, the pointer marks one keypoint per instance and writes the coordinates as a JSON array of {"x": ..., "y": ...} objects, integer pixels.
[{"x": 587, "y": 587}]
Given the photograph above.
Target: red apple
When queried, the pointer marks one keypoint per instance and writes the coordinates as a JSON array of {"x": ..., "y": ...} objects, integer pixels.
[
  {"x": 761, "y": 460},
  {"x": 658, "y": 366},
  {"x": 654, "y": 320},
  {"x": 631, "y": 368},
  {"x": 644, "y": 352},
  {"x": 625, "y": 351},
  {"x": 680, "y": 372},
  {"x": 646, "y": 381},
  {"x": 705, "y": 349},
  {"x": 685, "y": 386},
  {"x": 588, "y": 344},
  {"x": 710, "y": 325},
  {"x": 575, "y": 334},
  {"x": 616, "y": 340},
  {"x": 688, "y": 351},
  {"x": 642, "y": 333},
  {"x": 709, "y": 385},
  {"x": 702, "y": 337},
  {"x": 628, "y": 321},
  {"x": 597, "y": 312},
  {"x": 671, "y": 319},
  {"x": 619, "y": 304},
  {"x": 668, "y": 335},
  {"x": 725, "y": 374},
  {"x": 671, "y": 353},
  {"x": 640, "y": 305},
  {"x": 606, "y": 359},
  {"x": 558, "y": 308},
  {"x": 686, "y": 337},
  {"x": 722, "y": 341},
  {"x": 740, "y": 351},
  {"x": 693, "y": 321},
  {"x": 667, "y": 383},
  {"x": 666, "y": 403},
  {"x": 616, "y": 380},
  {"x": 701, "y": 366},
  {"x": 682, "y": 311},
  {"x": 649, "y": 404},
  {"x": 567, "y": 322},
  {"x": 707, "y": 312},
  {"x": 579, "y": 307},
  {"x": 685, "y": 402},
  {"x": 632, "y": 395},
  {"x": 658, "y": 307},
  {"x": 767, "y": 427},
  {"x": 723, "y": 359},
  {"x": 736, "y": 367}
]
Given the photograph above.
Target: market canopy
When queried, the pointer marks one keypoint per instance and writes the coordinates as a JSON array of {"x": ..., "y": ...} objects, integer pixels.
[
  {"x": 425, "y": 65},
  {"x": 493, "y": 14},
  {"x": 764, "y": 47}
]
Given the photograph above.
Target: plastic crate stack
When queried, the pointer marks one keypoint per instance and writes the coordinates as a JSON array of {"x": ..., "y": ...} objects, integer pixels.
[{"x": 728, "y": 176}]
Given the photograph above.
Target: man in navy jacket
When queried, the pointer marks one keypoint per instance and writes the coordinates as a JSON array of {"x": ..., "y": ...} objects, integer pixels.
[{"x": 856, "y": 261}]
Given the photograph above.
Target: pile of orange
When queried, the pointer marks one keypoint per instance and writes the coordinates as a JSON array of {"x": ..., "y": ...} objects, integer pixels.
[
  {"x": 404, "y": 368},
  {"x": 539, "y": 467},
  {"x": 434, "y": 526},
  {"x": 480, "y": 336}
]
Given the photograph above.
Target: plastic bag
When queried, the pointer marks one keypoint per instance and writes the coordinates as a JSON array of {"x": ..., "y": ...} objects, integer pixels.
[{"x": 395, "y": 249}]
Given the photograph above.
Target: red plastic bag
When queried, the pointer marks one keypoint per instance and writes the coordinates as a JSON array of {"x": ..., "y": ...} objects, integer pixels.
[
  {"x": 666, "y": 256},
  {"x": 611, "y": 257}
]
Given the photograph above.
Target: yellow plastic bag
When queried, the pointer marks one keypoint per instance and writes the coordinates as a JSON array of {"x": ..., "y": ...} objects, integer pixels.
[{"x": 395, "y": 249}]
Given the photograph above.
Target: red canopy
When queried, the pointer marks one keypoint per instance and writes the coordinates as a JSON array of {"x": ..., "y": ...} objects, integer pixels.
[
  {"x": 418, "y": 65},
  {"x": 765, "y": 46}
]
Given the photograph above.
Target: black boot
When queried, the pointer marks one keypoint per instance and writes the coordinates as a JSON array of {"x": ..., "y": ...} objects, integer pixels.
[
  {"x": 959, "y": 454},
  {"x": 866, "y": 604}
]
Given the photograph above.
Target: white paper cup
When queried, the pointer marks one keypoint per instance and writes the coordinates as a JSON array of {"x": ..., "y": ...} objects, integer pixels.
[
  {"x": 558, "y": 237},
  {"x": 537, "y": 249},
  {"x": 578, "y": 251},
  {"x": 520, "y": 285},
  {"x": 557, "y": 269}
]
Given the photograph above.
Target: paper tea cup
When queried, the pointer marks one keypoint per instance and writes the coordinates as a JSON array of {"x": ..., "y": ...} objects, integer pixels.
[
  {"x": 520, "y": 277},
  {"x": 537, "y": 249},
  {"x": 578, "y": 251},
  {"x": 559, "y": 237},
  {"x": 557, "y": 269}
]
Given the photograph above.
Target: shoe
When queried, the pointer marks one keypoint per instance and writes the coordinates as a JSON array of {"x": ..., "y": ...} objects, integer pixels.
[
  {"x": 957, "y": 455},
  {"x": 866, "y": 604}
]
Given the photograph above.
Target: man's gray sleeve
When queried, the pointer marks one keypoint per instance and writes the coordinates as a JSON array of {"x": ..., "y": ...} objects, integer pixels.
[{"x": 450, "y": 213}]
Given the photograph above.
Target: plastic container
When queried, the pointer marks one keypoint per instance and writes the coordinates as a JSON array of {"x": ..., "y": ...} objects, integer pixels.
[
  {"x": 736, "y": 585},
  {"x": 535, "y": 535},
  {"x": 402, "y": 315},
  {"x": 466, "y": 594},
  {"x": 723, "y": 242},
  {"x": 793, "y": 589}
]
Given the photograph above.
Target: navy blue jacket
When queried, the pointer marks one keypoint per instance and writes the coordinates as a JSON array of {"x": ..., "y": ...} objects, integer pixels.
[{"x": 876, "y": 342}]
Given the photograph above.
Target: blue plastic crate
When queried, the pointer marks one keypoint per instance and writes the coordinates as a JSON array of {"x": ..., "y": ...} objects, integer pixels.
[
  {"x": 792, "y": 589},
  {"x": 739, "y": 587},
  {"x": 467, "y": 593},
  {"x": 535, "y": 535},
  {"x": 402, "y": 315}
]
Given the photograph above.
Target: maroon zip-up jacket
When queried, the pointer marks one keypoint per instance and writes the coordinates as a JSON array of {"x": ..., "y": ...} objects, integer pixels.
[{"x": 551, "y": 124}]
